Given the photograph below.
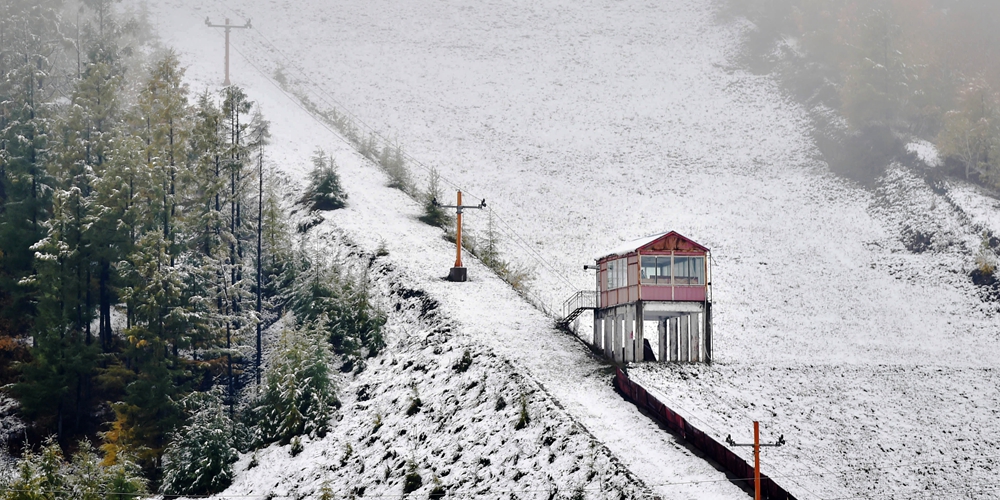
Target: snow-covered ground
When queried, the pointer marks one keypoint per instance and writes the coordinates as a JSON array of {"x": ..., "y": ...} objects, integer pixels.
[{"x": 588, "y": 123}]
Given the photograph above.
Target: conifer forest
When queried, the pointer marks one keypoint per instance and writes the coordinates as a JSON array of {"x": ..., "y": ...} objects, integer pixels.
[{"x": 143, "y": 247}]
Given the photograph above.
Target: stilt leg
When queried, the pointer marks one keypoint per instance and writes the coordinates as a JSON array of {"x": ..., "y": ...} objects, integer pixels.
[
  {"x": 696, "y": 337},
  {"x": 685, "y": 353},
  {"x": 674, "y": 338},
  {"x": 661, "y": 330},
  {"x": 640, "y": 344},
  {"x": 609, "y": 330},
  {"x": 598, "y": 327},
  {"x": 617, "y": 340}
]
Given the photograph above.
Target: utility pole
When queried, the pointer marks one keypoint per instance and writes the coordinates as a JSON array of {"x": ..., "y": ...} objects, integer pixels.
[
  {"x": 756, "y": 454},
  {"x": 459, "y": 273},
  {"x": 228, "y": 27}
]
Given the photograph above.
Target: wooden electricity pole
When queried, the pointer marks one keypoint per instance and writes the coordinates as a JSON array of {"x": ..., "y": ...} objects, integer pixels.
[
  {"x": 228, "y": 27},
  {"x": 756, "y": 454},
  {"x": 458, "y": 273}
]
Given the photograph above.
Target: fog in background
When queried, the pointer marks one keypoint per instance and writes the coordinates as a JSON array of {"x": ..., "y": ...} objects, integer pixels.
[{"x": 895, "y": 70}]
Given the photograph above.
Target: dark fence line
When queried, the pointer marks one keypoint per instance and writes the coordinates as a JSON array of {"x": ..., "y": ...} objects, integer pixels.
[{"x": 704, "y": 443}]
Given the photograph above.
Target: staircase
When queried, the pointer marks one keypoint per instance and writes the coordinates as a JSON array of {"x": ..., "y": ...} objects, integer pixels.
[{"x": 583, "y": 300}]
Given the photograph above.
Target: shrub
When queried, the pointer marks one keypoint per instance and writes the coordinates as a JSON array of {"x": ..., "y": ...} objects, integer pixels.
[
  {"x": 296, "y": 446},
  {"x": 199, "y": 459},
  {"x": 986, "y": 261},
  {"x": 394, "y": 165},
  {"x": 47, "y": 475},
  {"x": 501, "y": 404},
  {"x": 463, "y": 364},
  {"x": 434, "y": 215},
  {"x": 438, "y": 491},
  {"x": 415, "y": 405},
  {"x": 524, "y": 419},
  {"x": 324, "y": 191},
  {"x": 412, "y": 481}
]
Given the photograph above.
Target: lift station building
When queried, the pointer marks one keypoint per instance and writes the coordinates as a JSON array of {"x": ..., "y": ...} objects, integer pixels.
[{"x": 664, "y": 279}]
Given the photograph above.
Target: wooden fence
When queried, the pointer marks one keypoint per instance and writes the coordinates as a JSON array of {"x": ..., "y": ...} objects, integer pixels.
[{"x": 740, "y": 470}]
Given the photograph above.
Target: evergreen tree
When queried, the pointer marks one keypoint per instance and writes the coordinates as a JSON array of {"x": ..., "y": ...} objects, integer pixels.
[
  {"x": 299, "y": 396},
  {"x": 324, "y": 191},
  {"x": 39, "y": 476},
  {"x": 25, "y": 125},
  {"x": 149, "y": 409},
  {"x": 55, "y": 383},
  {"x": 260, "y": 130},
  {"x": 199, "y": 458}
]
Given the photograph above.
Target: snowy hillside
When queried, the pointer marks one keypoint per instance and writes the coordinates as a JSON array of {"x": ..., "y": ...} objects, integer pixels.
[{"x": 588, "y": 123}]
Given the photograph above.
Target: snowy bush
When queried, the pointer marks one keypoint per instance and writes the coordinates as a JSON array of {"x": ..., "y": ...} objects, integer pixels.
[
  {"x": 523, "y": 419},
  {"x": 324, "y": 191},
  {"x": 199, "y": 459},
  {"x": 299, "y": 397},
  {"x": 986, "y": 260},
  {"x": 412, "y": 481},
  {"x": 434, "y": 215},
  {"x": 463, "y": 364},
  {"x": 394, "y": 165},
  {"x": 46, "y": 475}
]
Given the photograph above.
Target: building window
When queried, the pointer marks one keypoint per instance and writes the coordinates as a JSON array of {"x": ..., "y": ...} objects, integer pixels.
[
  {"x": 656, "y": 270},
  {"x": 689, "y": 270},
  {"x": 617, "y": 273}
]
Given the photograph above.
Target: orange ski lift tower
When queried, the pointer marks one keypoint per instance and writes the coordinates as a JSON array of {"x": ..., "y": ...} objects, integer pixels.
[
  {"x": 459, "y": 273},
  {"x": 663, "y": 279}
]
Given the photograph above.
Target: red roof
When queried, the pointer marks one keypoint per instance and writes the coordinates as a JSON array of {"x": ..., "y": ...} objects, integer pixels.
[{"x": 663, "y": 242}]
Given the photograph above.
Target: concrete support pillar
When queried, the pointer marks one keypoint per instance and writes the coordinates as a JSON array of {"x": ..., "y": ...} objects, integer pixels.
[
  {"x": 617, "y": 336},
  {"x": 628, "y": 334},
  {"x": 696, "y": 337},
  {"x": 672, "y": 328},
  {"x": 640, "y": 345},
  {"x": 661, "y": 348},
  {"x": 609, "y": 331},
  {"x": 685, "y": 344},
  {"x": 598, "y": 329}
]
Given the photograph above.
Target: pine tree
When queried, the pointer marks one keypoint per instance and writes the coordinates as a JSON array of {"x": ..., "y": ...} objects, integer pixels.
[
  {"x": 260, "y": 130},
  {"x": 299, "y": 396},
  {"x": 324, "y": 191},
  {"x": 156, "y": 289},
  {"x": 199, "y": 458},
  {"x": 25, "y": 125},
  {"x": 55, "y": 383},
  {"x": 39, "y": 476}
]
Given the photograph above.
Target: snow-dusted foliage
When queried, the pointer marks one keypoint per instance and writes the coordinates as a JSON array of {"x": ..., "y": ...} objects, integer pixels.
[
  {"x": 324, "y": 191},
  {"x": 200, "y": 457},
  {"x": 47, "y": 475},
  {"x": 336, "y": 300},
  {"x": 299, "y": 396}
]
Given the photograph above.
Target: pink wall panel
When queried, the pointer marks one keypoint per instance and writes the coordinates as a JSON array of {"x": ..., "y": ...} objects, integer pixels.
[
  {"x": 689, "y": 293},
  {"x": 656, "y": 293}
]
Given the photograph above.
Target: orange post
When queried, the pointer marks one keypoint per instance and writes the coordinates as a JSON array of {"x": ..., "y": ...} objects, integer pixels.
[
  {"x": 756, "y": 460},
  {"x": 458, "y": 234}
]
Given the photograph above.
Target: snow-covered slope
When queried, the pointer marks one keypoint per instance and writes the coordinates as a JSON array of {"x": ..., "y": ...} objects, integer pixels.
[
  {"x": 417, "y": 409},
  {"x": 588, "y": 123}
]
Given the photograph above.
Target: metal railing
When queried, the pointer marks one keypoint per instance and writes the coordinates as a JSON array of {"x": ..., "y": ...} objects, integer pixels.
[{"x": 577, "y": 303}]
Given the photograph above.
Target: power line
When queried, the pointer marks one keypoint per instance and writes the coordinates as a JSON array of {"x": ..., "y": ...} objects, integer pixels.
[{"x": 327, "y": 98}]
